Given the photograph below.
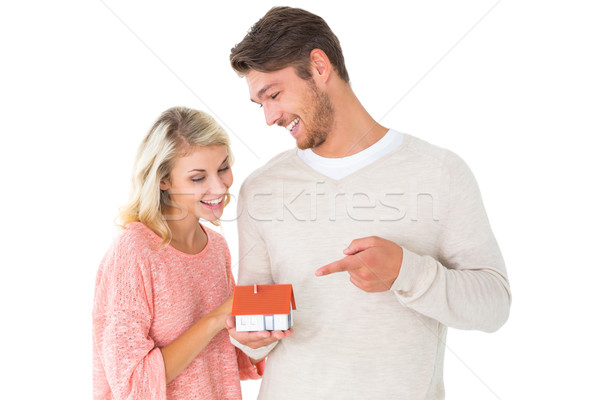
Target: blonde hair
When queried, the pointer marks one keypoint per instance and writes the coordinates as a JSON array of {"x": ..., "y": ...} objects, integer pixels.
[{"x": 174, "y": 134}]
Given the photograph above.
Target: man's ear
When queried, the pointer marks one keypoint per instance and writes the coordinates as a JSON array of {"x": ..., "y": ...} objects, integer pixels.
[
  {"x": 320, "y": 64},
  {"x": 165, "y": 184}
]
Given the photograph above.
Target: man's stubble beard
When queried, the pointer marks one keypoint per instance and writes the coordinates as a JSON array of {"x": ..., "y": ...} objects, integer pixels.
[{"x": 322, "y": 112}]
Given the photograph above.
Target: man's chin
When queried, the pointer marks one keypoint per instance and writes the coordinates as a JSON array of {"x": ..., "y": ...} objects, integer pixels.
[
  {"x": 302, "y": 145},
  {"x": 310, "y": 142}
]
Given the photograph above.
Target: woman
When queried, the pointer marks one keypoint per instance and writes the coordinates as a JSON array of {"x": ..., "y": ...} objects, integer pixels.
[{"x": 163, "y": 289}]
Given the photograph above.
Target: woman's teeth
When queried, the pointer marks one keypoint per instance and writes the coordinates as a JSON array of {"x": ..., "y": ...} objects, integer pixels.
[{"x": 212, "y": 202}]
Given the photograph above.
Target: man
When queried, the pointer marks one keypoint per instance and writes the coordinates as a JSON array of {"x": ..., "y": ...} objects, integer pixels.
[{"x": 418, "y": 254}]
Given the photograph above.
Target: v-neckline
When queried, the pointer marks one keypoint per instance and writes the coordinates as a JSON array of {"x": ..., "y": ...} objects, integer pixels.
[{"x": 405, "y": 141}]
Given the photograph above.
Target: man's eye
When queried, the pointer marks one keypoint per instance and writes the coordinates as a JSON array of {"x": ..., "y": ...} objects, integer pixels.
[{"x": 274, "y": 96}]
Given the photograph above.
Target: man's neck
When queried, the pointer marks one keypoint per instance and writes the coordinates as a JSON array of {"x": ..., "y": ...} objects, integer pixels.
[{"x": 353, "y": 129}]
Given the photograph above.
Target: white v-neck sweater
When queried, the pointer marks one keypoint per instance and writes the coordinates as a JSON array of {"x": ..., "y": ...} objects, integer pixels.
[{"x": 349, "y": 344}]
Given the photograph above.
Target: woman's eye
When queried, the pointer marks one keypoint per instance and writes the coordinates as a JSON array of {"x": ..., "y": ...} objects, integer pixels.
[
  {"x": 197, "y": 179},
  {"x": 224, "y": 169}
]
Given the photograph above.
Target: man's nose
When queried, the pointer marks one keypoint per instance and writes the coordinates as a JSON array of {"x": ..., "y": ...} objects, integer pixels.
[{"x": 272, "y": 114}]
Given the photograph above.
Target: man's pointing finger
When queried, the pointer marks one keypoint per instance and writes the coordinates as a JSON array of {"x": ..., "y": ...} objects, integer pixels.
[{"x": 345, "y": 264}]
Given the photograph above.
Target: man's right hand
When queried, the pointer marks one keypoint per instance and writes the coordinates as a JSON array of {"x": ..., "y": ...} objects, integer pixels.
[{"x": 258, "y": 339}]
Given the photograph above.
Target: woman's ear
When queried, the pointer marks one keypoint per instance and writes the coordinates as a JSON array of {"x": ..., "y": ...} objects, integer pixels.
[{"x": 165, "y": 184}]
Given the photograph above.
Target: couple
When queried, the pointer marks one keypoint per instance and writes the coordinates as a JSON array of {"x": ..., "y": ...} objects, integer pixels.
[{"x": 383, "y": 236}]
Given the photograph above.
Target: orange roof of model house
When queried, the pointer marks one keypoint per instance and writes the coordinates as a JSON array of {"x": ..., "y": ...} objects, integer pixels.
[{"x": 268, "y": 299}]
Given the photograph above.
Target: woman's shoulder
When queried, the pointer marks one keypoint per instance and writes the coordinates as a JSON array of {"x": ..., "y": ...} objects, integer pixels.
[
  {"x": 136, "y": 238},
  {"x": 125, "y": 268},
  {"x": 138, "y": 232},
  {"x": 134, "y": 242}
]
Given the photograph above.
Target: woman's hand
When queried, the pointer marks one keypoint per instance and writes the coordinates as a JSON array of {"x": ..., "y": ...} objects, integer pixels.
[{"x": 222, "y": 312}]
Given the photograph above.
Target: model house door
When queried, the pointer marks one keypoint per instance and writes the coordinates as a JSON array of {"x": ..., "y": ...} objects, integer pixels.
[{"x": 269, "y": 322}]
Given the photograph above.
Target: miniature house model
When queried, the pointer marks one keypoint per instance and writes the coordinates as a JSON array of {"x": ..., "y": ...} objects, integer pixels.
[{"x": 263, "y": 307}]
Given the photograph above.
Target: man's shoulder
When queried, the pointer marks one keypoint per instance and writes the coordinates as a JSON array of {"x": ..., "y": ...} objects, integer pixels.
[
  {"x": 270, "y": 171},
  {"x": 432, "y": 154}
]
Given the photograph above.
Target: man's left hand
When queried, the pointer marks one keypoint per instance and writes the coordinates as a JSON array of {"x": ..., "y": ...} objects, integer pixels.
[{"x": 372, "y": 262}]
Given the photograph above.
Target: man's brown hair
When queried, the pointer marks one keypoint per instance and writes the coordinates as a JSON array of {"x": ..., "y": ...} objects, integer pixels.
[{"x": 284, "y": 37}]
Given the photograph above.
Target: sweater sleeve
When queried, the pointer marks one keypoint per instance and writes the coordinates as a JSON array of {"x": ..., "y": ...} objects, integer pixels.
[
  {"x": 133, "y": 367},
  {"x": 254, "y": 262},
  {"x": 245, "y": 366},
  {"x": 466, "y": 285},
  {"x": 247, "y": 369}
]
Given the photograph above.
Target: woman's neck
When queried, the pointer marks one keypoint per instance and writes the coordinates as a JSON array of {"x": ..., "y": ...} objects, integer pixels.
[{"x": 187, "y": 235}]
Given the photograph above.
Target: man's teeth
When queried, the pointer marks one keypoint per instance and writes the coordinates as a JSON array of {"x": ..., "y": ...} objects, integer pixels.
[
  {"x": 292, "y": 124},
  {"x": 212, "y": 202}
]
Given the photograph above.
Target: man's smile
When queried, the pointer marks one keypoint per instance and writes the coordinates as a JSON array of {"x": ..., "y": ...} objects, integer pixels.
[{"x": 290, "y": 127}]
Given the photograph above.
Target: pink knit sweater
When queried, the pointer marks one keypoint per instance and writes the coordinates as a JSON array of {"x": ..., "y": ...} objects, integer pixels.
[{"x": 146, "y": 296}]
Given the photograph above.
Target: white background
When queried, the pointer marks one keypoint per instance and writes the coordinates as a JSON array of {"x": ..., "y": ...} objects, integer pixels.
[{"x": 517, "y": 98}]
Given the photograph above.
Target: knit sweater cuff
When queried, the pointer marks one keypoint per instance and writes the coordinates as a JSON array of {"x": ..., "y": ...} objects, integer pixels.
[
  {"x": 256, "y": 354},
  {"x": 415, "y": 275}
]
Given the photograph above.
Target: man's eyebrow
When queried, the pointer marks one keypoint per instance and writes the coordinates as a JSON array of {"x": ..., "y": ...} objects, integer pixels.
[{"x": 262, "y": 91}]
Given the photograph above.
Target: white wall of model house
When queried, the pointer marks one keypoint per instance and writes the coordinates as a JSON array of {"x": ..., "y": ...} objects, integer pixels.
[{"x": 262, "y": 322}]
